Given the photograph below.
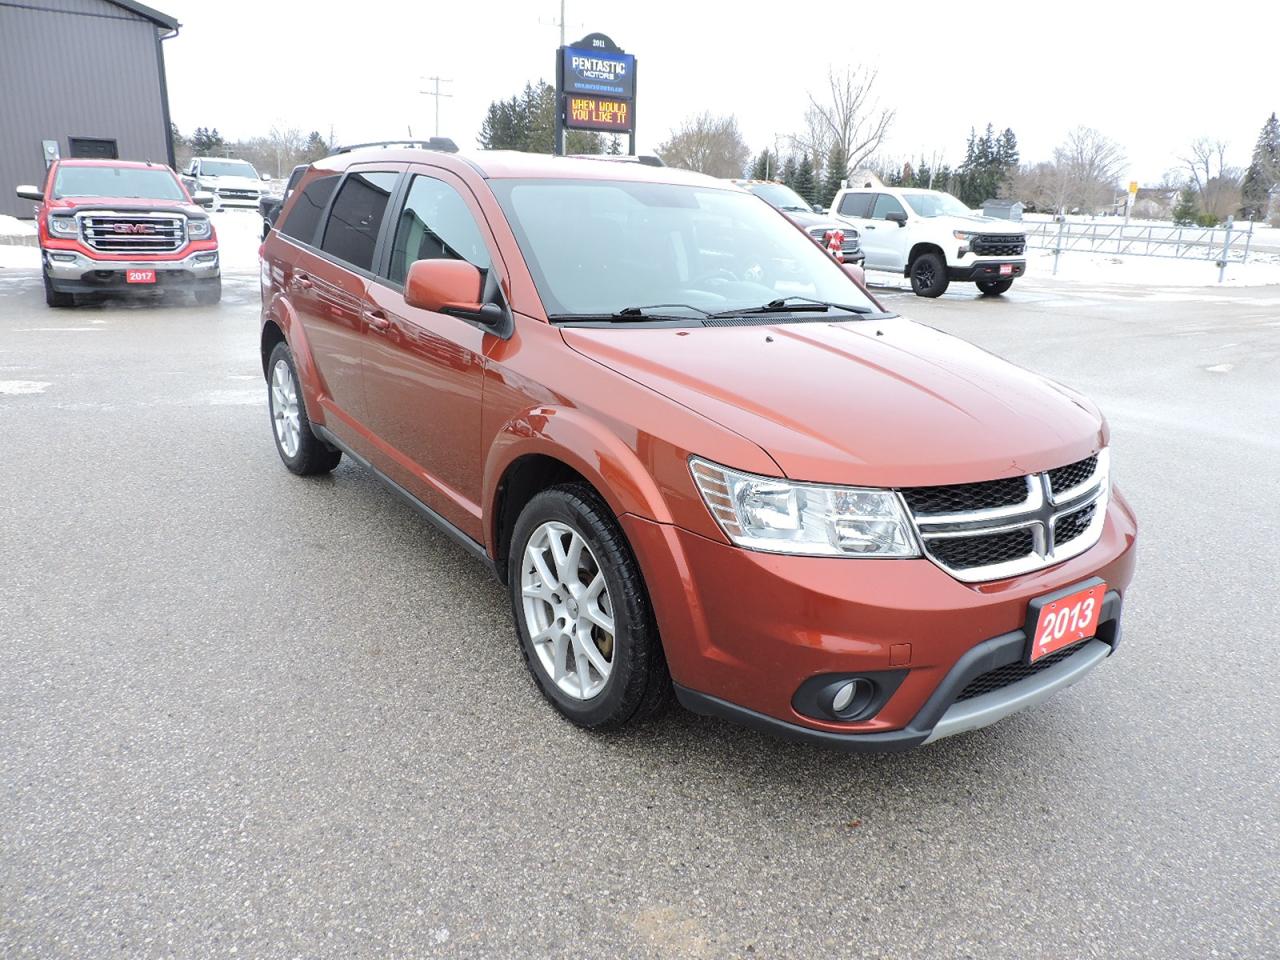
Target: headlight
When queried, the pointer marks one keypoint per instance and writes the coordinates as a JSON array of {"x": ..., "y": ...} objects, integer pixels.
[
  {"x": 963, "y": 235},
  {"x": 64, "y": 226},
  {"x": 199, "y": 229},
  {"x": 778, "y": 516}
]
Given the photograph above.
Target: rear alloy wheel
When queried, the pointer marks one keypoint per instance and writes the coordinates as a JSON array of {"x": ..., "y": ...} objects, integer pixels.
[
  {"x": 993, "y": 288},
  {"x": 55, "y": 298},
  {"x": 301, "y": 450},
  {"x": 582, "y": 613},
  {"x": 929, "y": 275}
]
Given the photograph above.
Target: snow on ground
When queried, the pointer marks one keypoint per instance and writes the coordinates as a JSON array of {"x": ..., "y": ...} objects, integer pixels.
[{"x": 12, "y": 227}]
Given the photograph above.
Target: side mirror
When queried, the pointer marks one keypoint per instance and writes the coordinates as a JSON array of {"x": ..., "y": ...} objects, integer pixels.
[
  {"x": 28, "y": 192},
  {"x": 266, "y": 176},
  {"x": 896, "y": 216},
  {"x": 203, "y": 197},
  {"x": 443, "y": 285},
  {"x": 856, "y": 273},
  {"x": 818, "y": 209},
  {"x": 459, "y": 288}
]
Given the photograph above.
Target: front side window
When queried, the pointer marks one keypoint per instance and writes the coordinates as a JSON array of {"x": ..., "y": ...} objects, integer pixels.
[
  {"x": 140, "y": 183},
  {"x": 781, "y": 196},
  {"x": 304, "y": 215},
  {"x": 434, "y": 224},
  {"x": 352, "y": 231},
  {"x": 599, "y": 246},
  {"x": 886, "y": 205}
]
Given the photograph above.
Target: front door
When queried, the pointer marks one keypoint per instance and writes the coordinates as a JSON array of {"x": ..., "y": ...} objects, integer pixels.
[
  {"x": 884, "y": 241},
  {"x": 424, "y": 371}
]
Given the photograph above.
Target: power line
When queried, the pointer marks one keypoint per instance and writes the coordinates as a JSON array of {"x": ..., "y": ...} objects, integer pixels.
[{"x": 437, "y": 94}]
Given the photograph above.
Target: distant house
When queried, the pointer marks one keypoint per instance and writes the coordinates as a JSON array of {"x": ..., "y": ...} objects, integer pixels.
[
  {"x": 1004, "y": 209},
  {"x": 862, "y": 178}
]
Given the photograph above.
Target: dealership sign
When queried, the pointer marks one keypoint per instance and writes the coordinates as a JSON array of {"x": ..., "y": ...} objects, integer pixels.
[{"x": 595, "y": 88}]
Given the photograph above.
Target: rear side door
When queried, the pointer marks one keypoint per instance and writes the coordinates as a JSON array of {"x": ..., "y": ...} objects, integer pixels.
[
  {"x": 856, "y": 208},
  {"x": 424, "y": 371},
  {"x": 335, "y": 222}
]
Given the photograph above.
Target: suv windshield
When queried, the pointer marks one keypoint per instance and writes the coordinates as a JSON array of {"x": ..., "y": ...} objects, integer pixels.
[
  {"x": 149, "y": 183},
  {"x": 227, "y": 168},
  {"x": 934, "y": 204},
  {"x": 597, "y": 247},
  {"x": 780, "y": 196}
]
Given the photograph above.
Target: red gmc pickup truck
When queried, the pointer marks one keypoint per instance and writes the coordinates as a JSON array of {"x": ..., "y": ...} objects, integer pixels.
[{"x": 108, "y": 226}]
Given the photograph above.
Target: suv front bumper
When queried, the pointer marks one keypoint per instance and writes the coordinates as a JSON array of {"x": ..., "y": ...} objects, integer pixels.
[
  {"x": 987, "y": 270},
  {"x": 70, "y": 271},
  {"x": 745, "y": 633}
]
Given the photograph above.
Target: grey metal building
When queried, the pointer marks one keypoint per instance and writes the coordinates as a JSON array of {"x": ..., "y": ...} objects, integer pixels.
[{"x": 79, "y": 78}]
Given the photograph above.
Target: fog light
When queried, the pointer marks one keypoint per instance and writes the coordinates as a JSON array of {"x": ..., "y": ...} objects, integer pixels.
[
  {"x": 204, "y": 257},
  {"x": 63, "y": 257},
  {"x": 844, "y": 696}
]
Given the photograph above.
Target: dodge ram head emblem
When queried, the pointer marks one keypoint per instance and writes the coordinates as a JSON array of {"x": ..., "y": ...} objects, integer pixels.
[{"x": 134, "y": 228}]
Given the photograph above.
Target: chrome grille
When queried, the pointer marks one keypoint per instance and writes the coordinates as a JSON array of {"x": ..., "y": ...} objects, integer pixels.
[
  {"x": 850, "y": 245},
  {"x": 1003, "y": 528},
  {"x": 133, "y": 233}
]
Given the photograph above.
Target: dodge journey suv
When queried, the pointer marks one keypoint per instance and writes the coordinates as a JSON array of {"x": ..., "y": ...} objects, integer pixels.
[{"x": 699, "y": 454}]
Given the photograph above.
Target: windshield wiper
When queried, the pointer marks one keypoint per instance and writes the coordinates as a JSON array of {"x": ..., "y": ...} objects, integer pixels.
[
  {"x": 633, "y": 314},
  {"x": 807, "y": 305}
]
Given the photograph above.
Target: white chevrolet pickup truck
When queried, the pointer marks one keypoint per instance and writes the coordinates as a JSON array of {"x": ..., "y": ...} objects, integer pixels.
[{"x": 933, "y": 238}]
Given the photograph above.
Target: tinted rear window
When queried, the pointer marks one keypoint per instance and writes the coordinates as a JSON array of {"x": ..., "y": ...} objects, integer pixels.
[
  {"x": 856, "y": 205},
  {"x": 356, "y": 217},
  {"x": 304, "y": 215}
]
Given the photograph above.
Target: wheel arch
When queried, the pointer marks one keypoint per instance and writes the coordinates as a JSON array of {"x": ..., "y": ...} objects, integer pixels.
[
  {"x": 919, "y": 249},
  {"x": 280, "y": 325},
  {"x": 547, "y": 446}
]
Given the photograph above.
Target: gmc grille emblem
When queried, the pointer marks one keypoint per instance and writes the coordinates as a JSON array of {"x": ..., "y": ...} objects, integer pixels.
[{"x": 134, "y": 228}]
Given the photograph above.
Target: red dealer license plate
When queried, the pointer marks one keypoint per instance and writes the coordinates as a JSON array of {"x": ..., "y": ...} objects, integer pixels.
[
  {"x": 140, "y": 276},
  {"x": 1065, "y": 619},
  {"x": 1006, "y": 269}
]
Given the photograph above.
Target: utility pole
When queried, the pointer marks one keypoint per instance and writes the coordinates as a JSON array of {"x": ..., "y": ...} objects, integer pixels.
[
  {"x": 556, "y": 23},
  {"x": 437, "y": 94}
]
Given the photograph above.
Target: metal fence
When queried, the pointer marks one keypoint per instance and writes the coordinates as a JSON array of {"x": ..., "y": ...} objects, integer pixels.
[{"x": 1219, "y": 245}]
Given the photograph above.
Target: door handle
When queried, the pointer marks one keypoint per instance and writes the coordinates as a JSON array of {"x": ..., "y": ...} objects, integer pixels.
[
  {"x": 302, "y": 281},
  {"x": 870, "y": 226},
  {"x": 376, "y": 319}
]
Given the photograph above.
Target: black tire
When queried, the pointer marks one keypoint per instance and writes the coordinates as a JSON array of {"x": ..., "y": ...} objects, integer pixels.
[
  {"x": 208, "y": 292},
  {"x": 54, "y": 298},
  {"x": 313, "y": 455},
  {"x": 638, "y": 684},
  {"x": 929, "y": 275},
  {"x": 993, "y": 288}
]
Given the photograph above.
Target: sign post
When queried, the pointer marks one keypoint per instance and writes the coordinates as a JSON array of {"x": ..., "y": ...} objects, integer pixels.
[{"x": 595, "y": 89}]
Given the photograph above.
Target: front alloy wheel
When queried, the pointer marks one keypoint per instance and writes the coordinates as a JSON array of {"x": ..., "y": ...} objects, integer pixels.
[{"x": 568, "y": 610}]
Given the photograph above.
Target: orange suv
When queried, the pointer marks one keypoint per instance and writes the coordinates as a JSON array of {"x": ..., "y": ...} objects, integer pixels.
[{"x": 699, "y": 454}]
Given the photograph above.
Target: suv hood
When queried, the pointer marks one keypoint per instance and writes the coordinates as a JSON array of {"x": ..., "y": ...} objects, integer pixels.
[
  {"x": 73, "y": 204},
  {"x": 984, "y": 224},
  {"x": 873, "y": 402}
]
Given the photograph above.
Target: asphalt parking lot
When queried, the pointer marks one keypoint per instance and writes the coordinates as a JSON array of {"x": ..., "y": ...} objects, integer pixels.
[{"x": 247, "y": 714}]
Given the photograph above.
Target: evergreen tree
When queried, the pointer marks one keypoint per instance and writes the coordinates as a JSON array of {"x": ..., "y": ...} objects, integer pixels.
[
  {"x": 789, "y": 171},
  {"x": 1007, "y": 149},
  {"x": 1264, "y": 170},
  {"x": 205, "y": 142},
  {"x": 806, "y": 184},
  {"x": 989, "y": 161},
  {"x": 314, "y": 149},
  {"x": 1186, "y": 210},
  {"x": 837, "y": 171},
  {"x": 765, "y": 166},
  {"x": 528, "y": 122}
]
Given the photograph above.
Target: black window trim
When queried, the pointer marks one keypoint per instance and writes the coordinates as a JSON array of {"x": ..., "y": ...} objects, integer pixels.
[
  {"x": 382, "y": 259},
  {"x": 313, "y": 246},
  {"x": 374, "y": 167}
]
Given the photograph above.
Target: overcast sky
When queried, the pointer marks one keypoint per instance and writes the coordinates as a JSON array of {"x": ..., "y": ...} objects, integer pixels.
[{"x": 1150, "y": 75}]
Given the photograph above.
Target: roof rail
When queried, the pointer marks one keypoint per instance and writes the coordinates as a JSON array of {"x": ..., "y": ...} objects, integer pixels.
[
  {"x": 645, "y": 158},
  {"x": 442, "y": 144}
]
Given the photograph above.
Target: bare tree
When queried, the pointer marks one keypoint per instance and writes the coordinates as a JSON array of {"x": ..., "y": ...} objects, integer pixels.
[
  {"x": 1089, "y": 165},
  {"x": 285, "y": 145},
  {"x": 707, "y": 144},
  {"x": 1217, "y": 185},
  {"x": 848, "y": 115}
]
